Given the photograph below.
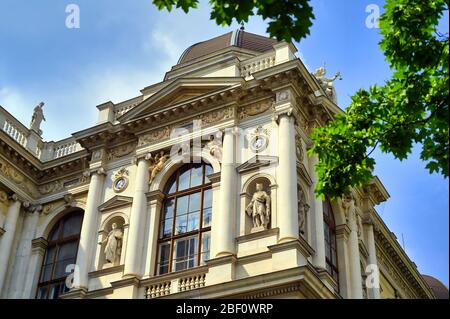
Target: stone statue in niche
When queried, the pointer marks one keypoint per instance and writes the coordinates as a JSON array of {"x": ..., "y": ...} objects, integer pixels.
[
  {"x": 37, "y": 118},
  {"x": 113, "y": 244},
  {"x": 303, "y": 209},
  {"x": 259, "y": 209},
  {"x": 157, "y": 164}
]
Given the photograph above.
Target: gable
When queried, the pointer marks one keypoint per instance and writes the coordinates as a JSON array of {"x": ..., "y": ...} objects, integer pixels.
[{"x": 177, "y": 92}]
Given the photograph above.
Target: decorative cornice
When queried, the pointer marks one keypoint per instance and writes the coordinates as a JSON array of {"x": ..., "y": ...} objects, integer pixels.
[
  {"x": 116, "y": 202},
  {"x": 257, "y": 162},
  {"x": 155, "y": 195},
  {"x": 106, "y": 271}
]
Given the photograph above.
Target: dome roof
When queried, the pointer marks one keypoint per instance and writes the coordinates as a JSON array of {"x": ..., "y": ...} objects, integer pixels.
[
  {"x": 439, "y": 289},
  {"x": 238, "y": 38}
]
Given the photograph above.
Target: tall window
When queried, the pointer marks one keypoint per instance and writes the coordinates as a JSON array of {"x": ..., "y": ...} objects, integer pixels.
[
  {"x": 61, "y": 251},
  {"x": 185, "y": 227},
  {"x": 330, "y": 240}
]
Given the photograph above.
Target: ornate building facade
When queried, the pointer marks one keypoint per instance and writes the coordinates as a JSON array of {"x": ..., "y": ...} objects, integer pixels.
[{"x": 200, "y": 187}]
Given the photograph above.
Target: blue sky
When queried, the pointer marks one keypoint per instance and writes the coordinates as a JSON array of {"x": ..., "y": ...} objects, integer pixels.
[{"x": 123, "y": 46}]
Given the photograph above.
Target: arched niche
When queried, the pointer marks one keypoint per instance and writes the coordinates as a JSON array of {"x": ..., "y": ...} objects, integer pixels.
[
  {"x": 249, "y": 188},
  {"x": 303, "y": 211},
  {"x": 112, "y": 239}
]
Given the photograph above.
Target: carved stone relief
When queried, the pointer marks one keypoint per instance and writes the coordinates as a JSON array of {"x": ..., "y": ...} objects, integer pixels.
[
  {"x": 18, "y": 178},
  {"x": 120, "y": 151},
  {"x": 254, "y": 109}
]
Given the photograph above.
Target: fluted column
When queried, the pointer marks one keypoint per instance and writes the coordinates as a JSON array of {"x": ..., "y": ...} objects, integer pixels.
[
  {"x": 89, "y": 227},
  {"x": 374, "y": 292},
  {"x": 318, "y": 235},
  {"x": 24, "y": 251},
  {"x": 287, "y": 180},
  {"x": 6, "y": 241},
  {"x": 224, "y": 226},
  {"x": 135, "y": 242},
  {"x": 355, "y": 265}
]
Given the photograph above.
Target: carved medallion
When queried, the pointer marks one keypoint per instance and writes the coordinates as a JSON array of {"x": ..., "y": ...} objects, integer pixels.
[{"x": 120, "y": 180}]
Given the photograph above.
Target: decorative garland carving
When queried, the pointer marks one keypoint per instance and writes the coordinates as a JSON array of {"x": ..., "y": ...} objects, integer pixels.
[
  {"x": 120, "y": 151},
  {"x": 254, "y": 109}
]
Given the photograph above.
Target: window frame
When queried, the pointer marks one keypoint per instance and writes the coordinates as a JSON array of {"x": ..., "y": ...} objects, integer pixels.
[
  {"x": 198, "y": 233},
  {"x": 329, "y": 220},
  {"x": 57, "y": 244}
]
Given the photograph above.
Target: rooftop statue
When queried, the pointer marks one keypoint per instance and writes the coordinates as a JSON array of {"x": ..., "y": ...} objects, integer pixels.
[
  {"x": 327, "y": 83},
  {"x": 37, "y": 118}
]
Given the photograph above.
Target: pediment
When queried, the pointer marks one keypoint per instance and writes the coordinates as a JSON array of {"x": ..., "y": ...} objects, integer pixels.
[
  {"x": 115, "y": 202},
  {"x": 178, "y": 92},
  {"x": 256, "y": 162}
]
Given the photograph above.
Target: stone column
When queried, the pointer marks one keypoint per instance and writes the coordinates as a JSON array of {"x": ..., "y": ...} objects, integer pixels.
[
  {"x": 355, "y": 266},
  {"x": 155, "y": 200},
  {"x": 88, "y": 240},
  {"x": 287, "y": 180},
  {"x": 135, "y": 242},
  {"x": 24, "y": 251},
  {"x": 317, "y": 226},
  {"x": 6, "y": 241},
  {"x": 374, "y": 293},
  {"x": 223, "y": 234},
  {"x": 38, "y": 247}
]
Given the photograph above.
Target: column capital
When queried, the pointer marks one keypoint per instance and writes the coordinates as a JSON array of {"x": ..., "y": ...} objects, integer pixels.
[
  {"x": 15, "y": 198},
  {"x": 98, "y": 171},
  {"x": 39, "y": 244},
  {"x": 155, "y": 195},
  {"x": 145, "y": 156},
  {"x": 33, "y": 208}
]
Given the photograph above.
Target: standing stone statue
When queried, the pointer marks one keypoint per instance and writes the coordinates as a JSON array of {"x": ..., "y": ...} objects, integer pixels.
[
  {"x": 327, "y": 83},
  {"x": 37, "y": 118},
  {"x": 348, "y": 204},
  {"x": 113, "y": 244},
  {"x": 302, "y": 211},
  {"x": 259, "y": 208}
]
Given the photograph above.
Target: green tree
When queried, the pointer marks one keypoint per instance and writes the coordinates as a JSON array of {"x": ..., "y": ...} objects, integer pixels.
[
  {"x": 411, "y": 107},
  {"x": 288, "y": 19}
]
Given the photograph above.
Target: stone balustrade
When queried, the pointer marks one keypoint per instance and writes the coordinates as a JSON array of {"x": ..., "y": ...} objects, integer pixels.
[
  {"x": 258, "y": 63},
  {"x": 191, "y": 282},
  {"x": 45, "y": 151}
]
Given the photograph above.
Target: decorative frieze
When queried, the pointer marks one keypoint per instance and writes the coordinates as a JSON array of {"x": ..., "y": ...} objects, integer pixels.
[
  {"x": 120, "y": 151},
  {"x": 19, "y": 179},
  {"x": 255, "y": 109},
  {"x": 163, "y": 133}
]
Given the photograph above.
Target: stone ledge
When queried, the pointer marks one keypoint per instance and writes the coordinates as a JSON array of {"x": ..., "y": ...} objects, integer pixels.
[
  {"x": 106, "y": 271},
  {"x": 257, "y": 235}
]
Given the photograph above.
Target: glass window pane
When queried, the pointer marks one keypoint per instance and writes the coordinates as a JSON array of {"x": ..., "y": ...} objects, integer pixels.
[
  {"x": 196, "y": 175},
  {"x": 182, "y": 205},
  {"x": 208, "y": 170},
  {"x": 67, "y": 251},
  {"x": 54, "y": 232},
  {"x": 49, "y": 255},
  {"x": 207, "y": 198},
  {"x": 42, "y": 293},
  {"x": 207, "y": 214},
  {"x": 60, "y": 268},
  {"x": 193, "y": 221},
  {"x": 46, "y": 272},
  {"x": 206, "y": 241},
  {"x": 166, "y": 229},
  {"x": 168, "y": 208},
  {"x": 171, "y": 186},
  {"x": 184, "y": 179},
  {"x": 72, "y": 225},
  {"x": 181, "y": 224},
  {"x": 194, "y": 202},
  {"x": 185, "y": 253}
]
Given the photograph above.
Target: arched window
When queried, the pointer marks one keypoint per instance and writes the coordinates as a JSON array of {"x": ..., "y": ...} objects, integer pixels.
[
  {"x": 61, "y": 251},
  {"x": 330, "y": 240},
  {"x": 185, "y": 227}
]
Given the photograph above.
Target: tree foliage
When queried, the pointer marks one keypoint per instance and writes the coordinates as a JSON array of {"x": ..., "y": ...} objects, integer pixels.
[
  {"x": 411, "y": 107},
  {"x": 288, "y": 19}
]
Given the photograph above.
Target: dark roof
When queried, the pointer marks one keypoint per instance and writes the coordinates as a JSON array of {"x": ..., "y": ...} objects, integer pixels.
[
  {"x": 439, "y": 289},
  {"x": 238, "y": 38}
]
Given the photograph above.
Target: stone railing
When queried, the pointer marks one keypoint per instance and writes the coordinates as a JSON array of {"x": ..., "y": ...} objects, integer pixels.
[
  {"x": 121, "y": 110},
  {"x": 191, "y": 282},
  {"x": 65, "y": 147},
  {"x": 158, "y": 290},
  {"x": 171, "y": 284},
  {"x": 45, "y": 151},
  {"x": 258, "y": 63},
  {"x": 12, "y": 127}
]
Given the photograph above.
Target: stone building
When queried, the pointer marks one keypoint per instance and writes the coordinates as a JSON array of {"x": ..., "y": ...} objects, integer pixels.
[{"x": 200, "y": 186}]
